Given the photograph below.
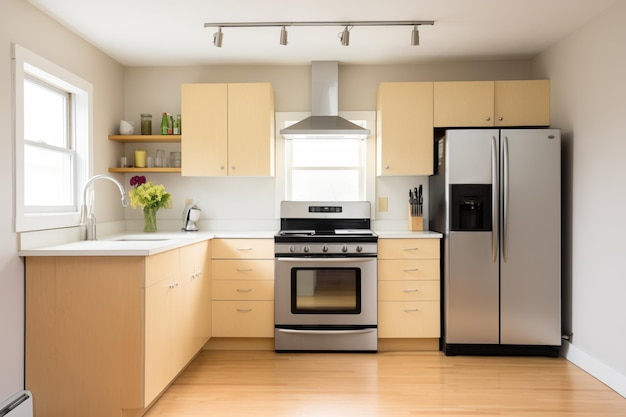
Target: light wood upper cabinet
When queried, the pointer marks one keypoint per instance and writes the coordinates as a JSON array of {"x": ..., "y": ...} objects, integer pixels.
[
  {"x": 228, "y": 129},
  {"x": 459, "y": 104},
  {"x": 492, "y": 103},
  {"x": 404, "y": 118},
  {"x": 522, "y": 103}
]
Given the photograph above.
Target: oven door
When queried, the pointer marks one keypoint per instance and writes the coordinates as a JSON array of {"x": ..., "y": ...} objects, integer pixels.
[{"x": 325, "y": 292}]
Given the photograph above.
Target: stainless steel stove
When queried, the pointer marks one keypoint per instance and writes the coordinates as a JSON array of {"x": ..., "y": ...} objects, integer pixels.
[{"x": 326, "y": 278}]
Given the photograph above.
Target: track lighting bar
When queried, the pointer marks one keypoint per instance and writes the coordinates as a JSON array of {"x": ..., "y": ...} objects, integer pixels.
[{"x": 337, "y": 23}]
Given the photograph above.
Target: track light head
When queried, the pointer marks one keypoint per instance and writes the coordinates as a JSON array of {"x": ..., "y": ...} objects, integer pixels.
[
  {"x": 344, "y": 36},
  {"x": 283, "y": 36},
  {"x": 415, "y": 36},
  {"x": 217, "y": 37}
]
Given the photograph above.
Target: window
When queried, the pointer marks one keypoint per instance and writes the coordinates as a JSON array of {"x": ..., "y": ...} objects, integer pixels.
[
  {"x": 52, "y": 137},
  {"x": 326, "y": 169}
]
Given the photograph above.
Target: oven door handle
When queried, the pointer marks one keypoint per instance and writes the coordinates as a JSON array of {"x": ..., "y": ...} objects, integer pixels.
[
  {"x": 330, "y": 260},
  {"x": 294, "y": 331}
]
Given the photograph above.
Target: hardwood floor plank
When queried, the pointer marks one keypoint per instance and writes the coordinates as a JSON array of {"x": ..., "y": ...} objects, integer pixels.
[{"x": 402, "y": 384}]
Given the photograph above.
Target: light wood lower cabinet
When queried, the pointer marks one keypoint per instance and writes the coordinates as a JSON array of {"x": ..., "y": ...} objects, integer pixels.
[
  {"x": 243, "y": 288},
  {"x": 408, "y": 288},
  {"x": 106, "y": 335}
]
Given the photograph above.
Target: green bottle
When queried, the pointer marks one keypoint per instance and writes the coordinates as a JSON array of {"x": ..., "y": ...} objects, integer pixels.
[{"x": 164, "y": 124}]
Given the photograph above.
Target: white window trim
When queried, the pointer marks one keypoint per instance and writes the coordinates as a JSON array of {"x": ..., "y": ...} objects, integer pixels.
[
  {"x": 25, "y": 61},
  {"x": 370, "y": 181}
]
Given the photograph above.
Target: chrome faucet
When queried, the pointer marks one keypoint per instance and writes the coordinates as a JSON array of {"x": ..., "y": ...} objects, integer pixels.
[{"x": 87, "y": 216}]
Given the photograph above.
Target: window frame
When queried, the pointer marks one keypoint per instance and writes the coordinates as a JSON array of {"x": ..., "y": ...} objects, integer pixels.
[
  {"x": 281, "y": 118},
  {"x": 27, "y": 64}
]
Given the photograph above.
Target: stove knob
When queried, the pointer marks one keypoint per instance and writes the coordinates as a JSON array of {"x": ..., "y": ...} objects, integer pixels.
[
  {"x": 359, "y": 248},
  {"x": 292, "y": 249},
  {"x": 344, "y": 248},
  {"x": 325, "y": 248},
  {"x": 306, "y": 248}
]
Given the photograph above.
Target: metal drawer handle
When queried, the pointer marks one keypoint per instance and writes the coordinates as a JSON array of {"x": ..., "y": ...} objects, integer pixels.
[
  {"x": 410, "y": 270},
  {"x": 409, "y": 310},
  {"x": 244, "y": 310},
  {"x": 327, "y": 332},
  {"x": 244, "y": 269},
  {"x": 410, "y": 249},
  {"x": 244, "y": 249},
  {"x": 415, "y": 290},
  {"x": 244, "y": 289},
  {"x": 174, "y": 285}
]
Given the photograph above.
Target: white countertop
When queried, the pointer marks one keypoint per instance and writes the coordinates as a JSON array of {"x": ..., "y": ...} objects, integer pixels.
[
  {"x": 146, "y": 244},
  {"x": 127, "y": 244}
]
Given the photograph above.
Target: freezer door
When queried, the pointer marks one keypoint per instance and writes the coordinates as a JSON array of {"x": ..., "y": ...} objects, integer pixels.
[
  {"x": 470, "y": 289},
  {"x": 530, "y": 283}
]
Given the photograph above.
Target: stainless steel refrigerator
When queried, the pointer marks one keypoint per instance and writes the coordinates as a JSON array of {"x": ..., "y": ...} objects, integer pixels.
[{"x": 496, "y": 197}]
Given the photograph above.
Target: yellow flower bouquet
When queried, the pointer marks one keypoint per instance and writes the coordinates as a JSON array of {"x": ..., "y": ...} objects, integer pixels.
[{"x": 150, "y": 198}]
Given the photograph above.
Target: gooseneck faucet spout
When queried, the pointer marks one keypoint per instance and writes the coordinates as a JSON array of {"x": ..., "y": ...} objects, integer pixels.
[{"x": 87, "y": 216}]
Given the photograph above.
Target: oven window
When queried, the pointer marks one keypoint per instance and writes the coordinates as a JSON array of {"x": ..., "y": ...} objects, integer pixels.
[{"x": 326, "y": 291}]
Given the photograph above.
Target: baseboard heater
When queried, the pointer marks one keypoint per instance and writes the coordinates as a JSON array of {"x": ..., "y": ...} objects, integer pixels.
[{"x": 19, "y": 405}]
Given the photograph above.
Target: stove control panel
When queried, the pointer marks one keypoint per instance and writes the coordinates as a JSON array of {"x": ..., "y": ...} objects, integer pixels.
[{"x": 309, "y": 249}]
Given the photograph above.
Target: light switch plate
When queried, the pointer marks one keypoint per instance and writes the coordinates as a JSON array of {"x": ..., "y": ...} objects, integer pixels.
[{"x": 383, "y": 204}]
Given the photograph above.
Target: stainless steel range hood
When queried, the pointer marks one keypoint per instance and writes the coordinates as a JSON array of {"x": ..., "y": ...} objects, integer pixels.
[{"x": 324, "y": 121}]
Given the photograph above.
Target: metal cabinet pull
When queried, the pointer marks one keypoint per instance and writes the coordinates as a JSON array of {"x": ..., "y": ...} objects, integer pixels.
[
  {"x": 415, "y": 290},
  {"x": 410, "y": 270},
  {"x": 244, "y": 289},
  {"x": 244, "y": 269},
  {"x": 244, "y": 249},
  {"x": 244, "y": 310},
  {"x": 407, "y": 249},
  {"x": 410, "y": 310},
  {"x": 174, "y": 285}
]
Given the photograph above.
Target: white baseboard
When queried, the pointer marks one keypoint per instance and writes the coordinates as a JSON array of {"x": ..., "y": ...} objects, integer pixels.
[{"x": 612, "y": 378}]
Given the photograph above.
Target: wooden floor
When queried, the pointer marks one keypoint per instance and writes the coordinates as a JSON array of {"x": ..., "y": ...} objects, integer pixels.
[{"x": 269, "y": 384}]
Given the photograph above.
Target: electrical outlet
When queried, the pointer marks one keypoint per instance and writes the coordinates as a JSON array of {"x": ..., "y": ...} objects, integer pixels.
[
  {"x": 188, "y": 201},
  {"x": 383, "y": 203}
]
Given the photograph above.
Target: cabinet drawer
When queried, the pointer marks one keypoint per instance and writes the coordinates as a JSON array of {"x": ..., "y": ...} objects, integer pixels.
[
  {"x": 243, "y": 290},
  {"x": 408, "y": 291},
  {"x": 408, "y": 248},
  {"x": 244, "y": 269},
  {"x": 408, "y": 269},
  {"x": 243, "y": 319},
  {"x": 398, "y": 319},
  {"x": 243, "y": 248}
]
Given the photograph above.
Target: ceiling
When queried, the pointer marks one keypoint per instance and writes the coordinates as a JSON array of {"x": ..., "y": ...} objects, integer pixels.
[{"x": 172, "y": 33}]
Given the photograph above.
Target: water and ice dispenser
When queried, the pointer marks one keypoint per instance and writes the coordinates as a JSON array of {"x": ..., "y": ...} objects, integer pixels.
[{"x": 471, "y": 207}]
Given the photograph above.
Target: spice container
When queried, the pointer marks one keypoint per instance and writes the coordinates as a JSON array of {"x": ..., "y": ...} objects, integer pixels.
[{"x": 146, "y": 124}]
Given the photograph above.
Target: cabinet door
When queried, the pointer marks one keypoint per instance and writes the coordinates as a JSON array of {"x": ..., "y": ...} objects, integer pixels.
[
  {"x": 250, "y": 129},
  {"x": 205, "y": 133},
  {"x": 405, "y": 129},
  {"x": 463, "y": 103},
  {"x": 522, "y": 103},
  {"x": 195, "y": 299}
]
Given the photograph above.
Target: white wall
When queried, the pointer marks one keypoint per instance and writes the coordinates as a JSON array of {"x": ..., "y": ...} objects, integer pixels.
[
  {"x": 224, "y": 200},
  {"x": 589, "y": 103},
  {"x": 23, "y": 24}
]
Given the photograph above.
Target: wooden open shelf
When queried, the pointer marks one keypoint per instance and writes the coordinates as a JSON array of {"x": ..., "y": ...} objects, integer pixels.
[
  {"x": 148, "y": 170},
  {"x": 146, "y": 138}
]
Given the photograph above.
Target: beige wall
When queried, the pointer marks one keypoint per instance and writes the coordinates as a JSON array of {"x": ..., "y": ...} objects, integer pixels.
[
  {"x": 22, "y": 24},
  {"x": 589, "y": 104}
]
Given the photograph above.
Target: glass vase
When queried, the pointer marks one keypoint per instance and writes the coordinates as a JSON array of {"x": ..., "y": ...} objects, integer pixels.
[{"x": 149, "y": 219}]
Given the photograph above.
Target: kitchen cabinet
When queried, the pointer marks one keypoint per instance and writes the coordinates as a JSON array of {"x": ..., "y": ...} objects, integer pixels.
[
  {"x": 228, "y": 129},
  {"x": 243, "y": 288},
  {"x": 408, "y": 288},
  {"x": 105, "y": 335},
  {"x": 404, "y": 133},
  {"x": 492, "y": 103},
  {"x": 145, "y": 139}
]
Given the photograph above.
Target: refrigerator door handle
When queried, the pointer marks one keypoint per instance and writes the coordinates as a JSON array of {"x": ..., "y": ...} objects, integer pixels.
[
  {"x": 494, "y": 199},
  {"x": 505, "y": 195}
]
